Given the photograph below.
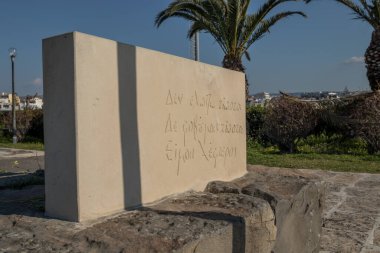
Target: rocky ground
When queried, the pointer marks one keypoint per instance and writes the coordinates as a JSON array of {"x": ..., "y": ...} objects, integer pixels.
[
  {"x": 352, "y": 212},
  {"x": 351, "y": 216}
]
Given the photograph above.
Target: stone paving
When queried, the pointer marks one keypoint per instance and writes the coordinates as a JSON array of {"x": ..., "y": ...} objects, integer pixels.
[
  {"x": 351, "y": 217},
  {"x": 352, "y": 212}
]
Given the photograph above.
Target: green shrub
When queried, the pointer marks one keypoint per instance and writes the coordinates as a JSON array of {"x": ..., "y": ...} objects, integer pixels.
[
  {"x": 35, "y": 133},
  {"x": 29, "y": 124},
  {"x": 346, "y": 126},
  {"x": 359, "y": 116},
  {"x": 255, "y": 121},
  {"x": 288, "y": 119}
]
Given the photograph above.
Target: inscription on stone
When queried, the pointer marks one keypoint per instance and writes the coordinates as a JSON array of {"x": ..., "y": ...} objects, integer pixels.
[{"x": 198, "y": 132}]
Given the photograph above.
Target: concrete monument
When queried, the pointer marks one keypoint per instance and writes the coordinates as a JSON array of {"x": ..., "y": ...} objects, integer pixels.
[{"x": 127, "y": 126}]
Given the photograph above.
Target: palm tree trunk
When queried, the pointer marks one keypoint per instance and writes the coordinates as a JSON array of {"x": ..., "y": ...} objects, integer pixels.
[
  {"x": 235, "y": 63},
  {"x": 372, "y": 60}
]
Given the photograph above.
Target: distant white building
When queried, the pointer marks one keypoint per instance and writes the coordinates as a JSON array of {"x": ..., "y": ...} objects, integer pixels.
[
  {"x": 29, "y": 102},
  {"x": 34, "y": 103},
  {"x": 259, "y": 99},
  {"x": 6, "y": 102},
  {"x": 4, "y": 99},
  {"x": 332, "y": 95}
]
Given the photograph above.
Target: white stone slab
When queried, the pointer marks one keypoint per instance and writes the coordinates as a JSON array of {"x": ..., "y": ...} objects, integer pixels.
[{"x": 126, "y": 126}]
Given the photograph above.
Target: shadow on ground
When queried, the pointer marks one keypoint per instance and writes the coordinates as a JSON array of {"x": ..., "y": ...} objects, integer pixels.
[{"x": 22, "y": 193}]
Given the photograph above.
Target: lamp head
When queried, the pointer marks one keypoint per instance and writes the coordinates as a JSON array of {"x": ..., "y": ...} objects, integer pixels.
[{"x": 12, "y": 52}]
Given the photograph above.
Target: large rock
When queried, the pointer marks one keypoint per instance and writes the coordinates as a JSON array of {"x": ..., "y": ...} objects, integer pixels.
[
  {"x": 250, "y": 220},
  {"x": 192, "y": 222},
  {"x": 268, "y": 210},
  {"x": 297, "y": 201},
  {"x": 222, "y": 187},
  {"x": 152, "y": 231}
]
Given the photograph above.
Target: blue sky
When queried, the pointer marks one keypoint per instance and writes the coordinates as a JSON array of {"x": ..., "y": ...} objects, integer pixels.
[{"x": 322, "y": 52}]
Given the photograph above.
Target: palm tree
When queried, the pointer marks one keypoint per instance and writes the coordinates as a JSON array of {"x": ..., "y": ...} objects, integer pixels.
[
  {"x": 369, "y": 11},
  {"x": 229, "y": 23}
]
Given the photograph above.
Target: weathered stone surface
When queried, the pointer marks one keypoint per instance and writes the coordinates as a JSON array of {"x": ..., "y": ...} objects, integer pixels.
[
  {"x": 376, "y": 239},
  {"x": 300, "y": 221},
  {"x": 151, "y": 231},
  {"x": 224, "y": 221},
  {"x": 193, "y": 222},
  {"x": 252, "y": 219},
  {"x": 351, "y": 217},
  {"x": 297, "y": 201},
  {"x": 222, "y": 187},
  {"x": 257, "y": 191}
]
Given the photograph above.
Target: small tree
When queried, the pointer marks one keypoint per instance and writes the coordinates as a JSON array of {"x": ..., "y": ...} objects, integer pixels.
[
  {"x": 29, "y": 123},
  {"x": 288, "y": 119},
  {"x": 360, "y": 116}
]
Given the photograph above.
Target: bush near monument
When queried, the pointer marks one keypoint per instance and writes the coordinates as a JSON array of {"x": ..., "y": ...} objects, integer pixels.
[
  {"x": 29, "y": 124},
  {"x": 360, "y": 117},
  {"x": 255, "y": 122},
  {"x": 287, "y": 119},
  {"x": 343, "y": 126}
]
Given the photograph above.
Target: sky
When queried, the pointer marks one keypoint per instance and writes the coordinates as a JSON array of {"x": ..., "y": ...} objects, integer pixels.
[{"x": 323, "y": 52}]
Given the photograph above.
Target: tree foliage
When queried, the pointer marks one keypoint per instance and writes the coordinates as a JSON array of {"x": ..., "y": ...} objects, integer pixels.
[
  {"x": 228, "y": 22},
  {"x": 360, "y": 116},
  {"x": 29, "y": 124},
  {"x": 366, "y": 10}
]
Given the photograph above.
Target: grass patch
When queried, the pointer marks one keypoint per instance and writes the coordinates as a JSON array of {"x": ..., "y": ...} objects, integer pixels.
[
  {"x": 21, "y": 145},
  {"x": 271, "y": 156},
  {"x": 334, "y": 144},
  {"x": 7, "y": 143}
]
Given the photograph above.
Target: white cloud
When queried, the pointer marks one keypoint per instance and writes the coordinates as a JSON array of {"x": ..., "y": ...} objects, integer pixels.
[
  {"x": 354, "y": 60},
  {"x": 37, "y": 81}
]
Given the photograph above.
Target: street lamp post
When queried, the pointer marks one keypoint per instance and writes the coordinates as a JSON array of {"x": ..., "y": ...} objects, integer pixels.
[{"x": 12, "y": 54}]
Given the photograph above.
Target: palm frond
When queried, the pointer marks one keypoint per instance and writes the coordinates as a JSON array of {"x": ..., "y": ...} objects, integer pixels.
[
  {"x": 253, "y": 21},
  {"x": 362, "y": 13},
  {"x": 228, "y": 22},
  {"x": 192, "y": 7},
  {"x": 265, "y": 25},
  {"x": 205, "y": 25}
]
